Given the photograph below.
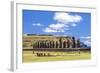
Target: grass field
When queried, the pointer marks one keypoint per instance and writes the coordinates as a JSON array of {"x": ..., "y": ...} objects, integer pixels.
[{"x": 29, "y": 56}]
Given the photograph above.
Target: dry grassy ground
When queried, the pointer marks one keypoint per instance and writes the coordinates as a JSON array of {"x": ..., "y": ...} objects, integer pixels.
[{"x": 29, "y": 56}]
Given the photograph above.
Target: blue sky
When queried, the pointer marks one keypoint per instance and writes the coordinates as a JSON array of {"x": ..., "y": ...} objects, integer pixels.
[{"x": 58, "y": 23}]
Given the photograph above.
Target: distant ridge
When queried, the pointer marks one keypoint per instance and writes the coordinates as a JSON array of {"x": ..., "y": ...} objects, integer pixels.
[
  {"x": 39, "y": 34},
  {"x": 43, "y": 35}
]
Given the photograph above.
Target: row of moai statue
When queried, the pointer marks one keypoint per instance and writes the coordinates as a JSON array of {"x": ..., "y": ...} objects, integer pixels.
[{"x": 68, "y": 43}]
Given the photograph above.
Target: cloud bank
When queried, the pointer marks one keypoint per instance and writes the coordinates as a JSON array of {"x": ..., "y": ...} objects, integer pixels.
[
  {"x": 63, "y": 22},
  {"x": 86, "y": 40}
]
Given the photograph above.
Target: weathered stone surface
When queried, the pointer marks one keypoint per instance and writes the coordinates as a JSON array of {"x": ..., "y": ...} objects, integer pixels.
[{"x": 44, "y": 41}]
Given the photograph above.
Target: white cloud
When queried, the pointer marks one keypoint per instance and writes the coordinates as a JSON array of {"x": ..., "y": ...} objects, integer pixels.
[
  {"x": 52, "y": 30},
  {"x": 37, "y": 24},
  {"x": 49, "y": 30},
  {"x": 56, "y": 28},
  {"x": 73, "y": 24},
  {"x": 63, "y": 22},
  {"x": 87, "y": 37},
  {"x": 66, "y": 18}
]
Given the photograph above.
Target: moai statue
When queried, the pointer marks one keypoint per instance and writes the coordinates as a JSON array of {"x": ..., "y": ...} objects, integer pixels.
[
  {"x": 78, "y": 43},
  {"x": 53, "y": 44},
  {"x": 60, "y": 43},
  {"x": 33, "y": 45},
  {"x": 73, "y": 42},
  {"x": 45, "y": 44},
  {"x": 42, "y": 44},
  {"x": 57, "y": 44},
  {"x": 38, "y": 44},
  {"x": 68, "y": 43},
  {"x": 64, "y": 44},
  {"x": 50, "y": 44}
]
